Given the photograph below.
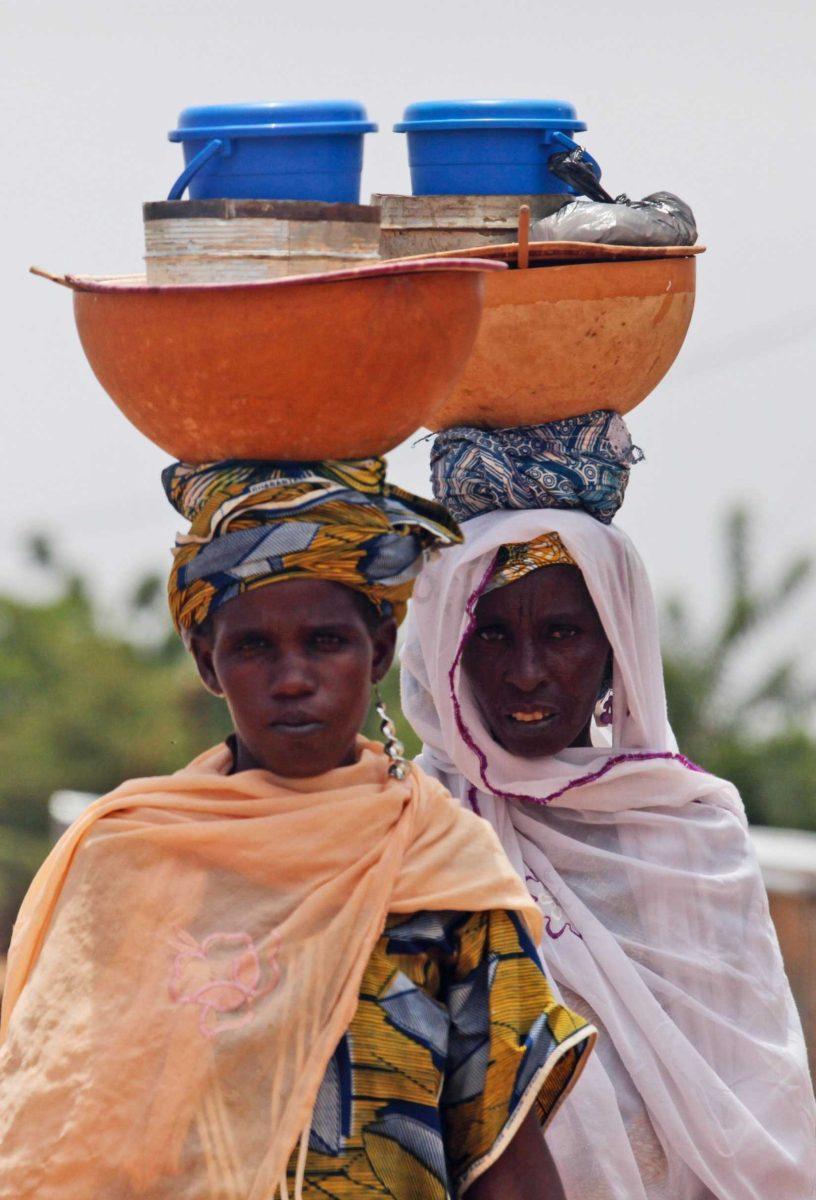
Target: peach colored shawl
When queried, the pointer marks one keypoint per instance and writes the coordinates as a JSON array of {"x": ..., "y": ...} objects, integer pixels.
[{"x": 190, "y": 954}]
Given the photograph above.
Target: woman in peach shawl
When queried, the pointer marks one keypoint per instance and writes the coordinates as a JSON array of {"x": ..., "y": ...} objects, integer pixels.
[{"x": 296, "y": 963}]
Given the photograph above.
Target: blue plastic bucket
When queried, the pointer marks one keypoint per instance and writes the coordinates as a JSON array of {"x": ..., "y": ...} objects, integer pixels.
[
  {"x": 312, "y": 150},
  {"x": 488, "y": 147}
]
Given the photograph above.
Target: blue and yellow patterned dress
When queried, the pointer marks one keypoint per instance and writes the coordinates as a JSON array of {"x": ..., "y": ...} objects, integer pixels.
[{"x": 456, "y": 1037}]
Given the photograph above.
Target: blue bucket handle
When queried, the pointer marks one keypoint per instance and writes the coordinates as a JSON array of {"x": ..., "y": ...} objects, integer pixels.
[
  {"x": 216, "y": 146},
  {"x": 566, "y": 143}
]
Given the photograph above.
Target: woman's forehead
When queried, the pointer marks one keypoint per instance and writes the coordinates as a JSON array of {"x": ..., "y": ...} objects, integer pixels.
[
  {"x": 289, "y": 603},
  {"x": 556, "y": 587}
]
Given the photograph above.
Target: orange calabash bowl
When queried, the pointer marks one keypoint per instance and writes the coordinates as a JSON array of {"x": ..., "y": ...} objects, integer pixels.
[
  {"x": 344, "y": 365},
  {"x": 560, "y": 340}
]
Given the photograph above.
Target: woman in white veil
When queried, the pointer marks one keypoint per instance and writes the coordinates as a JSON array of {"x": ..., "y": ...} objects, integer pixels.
[{"x": 657, "y": 919}]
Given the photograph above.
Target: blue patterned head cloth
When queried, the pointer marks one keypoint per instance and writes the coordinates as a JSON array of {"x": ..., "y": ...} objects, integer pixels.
[{"x": 580, "y": 462}]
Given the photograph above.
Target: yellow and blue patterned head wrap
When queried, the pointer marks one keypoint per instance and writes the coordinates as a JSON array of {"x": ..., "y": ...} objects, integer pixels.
[
  {"x": 517, "y": 559},
  {"x": 256, "y": 523}
]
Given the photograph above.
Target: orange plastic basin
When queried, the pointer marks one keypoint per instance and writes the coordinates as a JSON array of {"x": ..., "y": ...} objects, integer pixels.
[
  {"x": 556, "y": 341},
  {"x": 340, "y": 366}
]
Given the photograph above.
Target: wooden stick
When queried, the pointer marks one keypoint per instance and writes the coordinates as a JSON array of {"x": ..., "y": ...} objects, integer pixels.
[
  {"x": 523, "y": 260},
  {"x": 41, "y": 271}
]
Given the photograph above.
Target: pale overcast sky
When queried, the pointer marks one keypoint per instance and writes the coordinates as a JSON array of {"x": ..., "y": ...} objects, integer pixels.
[{"x": 714, "y": 101}]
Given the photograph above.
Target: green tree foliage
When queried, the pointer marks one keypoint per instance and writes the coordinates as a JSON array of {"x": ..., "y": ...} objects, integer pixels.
[
  {"x": 84, "y": 708},
  {"x": 759, "y": 734}
]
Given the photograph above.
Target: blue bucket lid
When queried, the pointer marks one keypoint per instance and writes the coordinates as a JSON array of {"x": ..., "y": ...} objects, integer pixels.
[
  {"x": 430, "y": 115},
  {"x": 287, "y": 119}
]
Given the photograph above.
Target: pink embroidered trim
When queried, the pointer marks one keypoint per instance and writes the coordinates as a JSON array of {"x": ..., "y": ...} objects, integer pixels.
[
  {"x": 472, "y": 801},
  {"x": 222, "y": 975},
  {"x": 470, "y": 742},
  {"x": 631, "y": 756}
]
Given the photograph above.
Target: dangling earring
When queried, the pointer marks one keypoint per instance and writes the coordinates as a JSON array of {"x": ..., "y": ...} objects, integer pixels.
[
  {"x": 604, "y": 709},
  {"x": 397, "y": 767}
]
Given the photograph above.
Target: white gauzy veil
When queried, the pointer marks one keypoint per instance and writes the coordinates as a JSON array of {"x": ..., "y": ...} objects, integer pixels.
[{"x": 657, "y": 919}]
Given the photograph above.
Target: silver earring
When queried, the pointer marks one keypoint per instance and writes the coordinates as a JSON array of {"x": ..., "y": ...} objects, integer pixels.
[
  {"x": 604, "y": 709},
  {"x": 394, "y": 749}
]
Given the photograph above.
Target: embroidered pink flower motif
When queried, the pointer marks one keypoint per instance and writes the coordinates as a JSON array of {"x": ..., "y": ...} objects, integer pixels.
[
  {"x": 555, "y": 921},
  {"x": 224, "y": 976}
]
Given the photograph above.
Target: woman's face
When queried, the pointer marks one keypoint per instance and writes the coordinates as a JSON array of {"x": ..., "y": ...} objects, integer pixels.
[
  {"x": 537, "y": 661},
  {"x": 295, "y": 662}
]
